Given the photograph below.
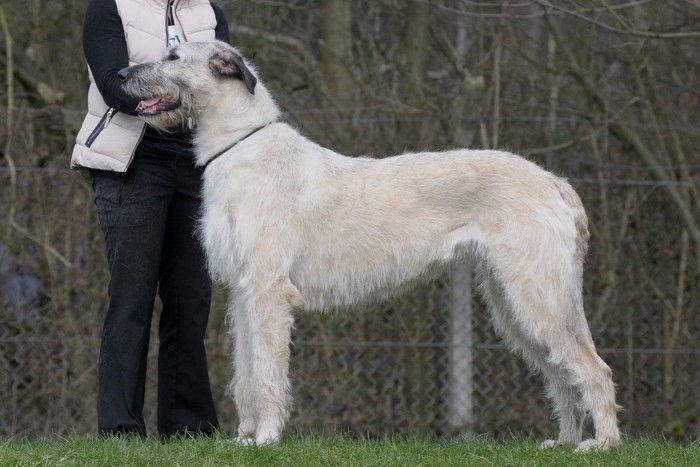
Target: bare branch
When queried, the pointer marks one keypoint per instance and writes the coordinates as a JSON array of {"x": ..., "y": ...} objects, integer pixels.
[
  {"x": 12, "y": 224},
  {"x": 623, "y": 132},
  {"x": 626, "y": 30}
]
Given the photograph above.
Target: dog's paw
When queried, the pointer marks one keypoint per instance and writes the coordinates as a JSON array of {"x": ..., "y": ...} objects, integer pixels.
[
  {"x": 267, "y": 437},
  {"x": 243, "y": 440},
  {"x": 550, "y": 443},
  {"x": 596, "y": 445}
]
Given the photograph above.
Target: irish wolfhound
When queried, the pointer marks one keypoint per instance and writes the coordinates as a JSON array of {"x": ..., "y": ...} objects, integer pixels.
[{"x": 288, "y": 224}]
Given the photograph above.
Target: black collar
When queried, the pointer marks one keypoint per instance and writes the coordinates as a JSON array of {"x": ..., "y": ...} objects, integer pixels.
[{"x": 220, "y": 153}]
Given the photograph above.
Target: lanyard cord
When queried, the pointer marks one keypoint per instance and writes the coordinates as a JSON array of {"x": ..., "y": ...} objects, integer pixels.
[
  {"x": 171, "y": 31},
  {"x": 169, "y": 14}
]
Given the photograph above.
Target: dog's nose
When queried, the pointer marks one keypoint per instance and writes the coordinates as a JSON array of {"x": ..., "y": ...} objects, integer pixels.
[{"x": 123, "y": 74}]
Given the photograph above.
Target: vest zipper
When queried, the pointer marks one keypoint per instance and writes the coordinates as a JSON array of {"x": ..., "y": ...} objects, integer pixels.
[{"x": 104, "y": 121}]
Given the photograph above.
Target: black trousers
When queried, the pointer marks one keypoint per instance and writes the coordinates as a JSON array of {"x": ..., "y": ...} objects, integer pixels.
[{"x": 148, "y": 216}]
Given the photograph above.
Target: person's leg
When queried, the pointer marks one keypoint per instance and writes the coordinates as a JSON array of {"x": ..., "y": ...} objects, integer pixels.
[
  {"x": 185, "y": 403},
  {"x": 132, "y": 209}
]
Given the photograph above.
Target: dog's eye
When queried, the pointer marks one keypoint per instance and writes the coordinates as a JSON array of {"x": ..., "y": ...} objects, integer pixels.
[{"x": 173, "y": 56}]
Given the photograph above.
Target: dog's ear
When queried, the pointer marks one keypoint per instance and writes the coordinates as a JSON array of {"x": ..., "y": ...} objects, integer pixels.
[{"x": 230, "y": 65}]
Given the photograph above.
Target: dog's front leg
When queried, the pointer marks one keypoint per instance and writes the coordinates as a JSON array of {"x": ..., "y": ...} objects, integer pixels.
[
  {"x": 262, "y": 329},
  {"x": 240, "y": 387}
]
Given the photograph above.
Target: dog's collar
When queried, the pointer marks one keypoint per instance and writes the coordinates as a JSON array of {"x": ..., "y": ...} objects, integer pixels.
[{"x": 221, "y": 153}]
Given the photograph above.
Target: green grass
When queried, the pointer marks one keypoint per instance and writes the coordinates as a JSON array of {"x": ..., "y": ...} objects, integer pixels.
[{"x": 339, "y": 450}]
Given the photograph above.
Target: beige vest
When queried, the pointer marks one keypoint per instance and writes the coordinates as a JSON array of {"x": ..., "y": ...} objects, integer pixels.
[{"x": 107, "y": 139}]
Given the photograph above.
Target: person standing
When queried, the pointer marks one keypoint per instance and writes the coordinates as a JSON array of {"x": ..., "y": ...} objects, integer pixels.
[{"x": 147, "y": 194}]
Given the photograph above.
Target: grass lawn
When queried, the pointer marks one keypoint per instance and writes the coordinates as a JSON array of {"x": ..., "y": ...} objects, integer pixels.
[{"x": 339, "y": 450}]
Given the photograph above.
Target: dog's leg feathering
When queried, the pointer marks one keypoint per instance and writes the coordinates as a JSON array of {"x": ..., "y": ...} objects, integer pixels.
[{"x": 261, "y": 389}]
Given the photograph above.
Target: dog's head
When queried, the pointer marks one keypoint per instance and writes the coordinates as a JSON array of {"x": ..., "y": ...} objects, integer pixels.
[{"x": 180, "y": 84}]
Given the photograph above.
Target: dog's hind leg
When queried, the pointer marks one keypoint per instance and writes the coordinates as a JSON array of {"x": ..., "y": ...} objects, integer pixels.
[
  {"x": 566, "y": 401},
  {"x": 593, "y": 379},
  {"x": 538, "y": 307},
  {"x": 564, "y": 397},
  {"x": 262, "y": 329}
]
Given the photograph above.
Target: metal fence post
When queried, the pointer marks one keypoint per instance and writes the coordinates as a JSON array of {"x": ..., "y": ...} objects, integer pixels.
[{"x": 461, "y": 371}]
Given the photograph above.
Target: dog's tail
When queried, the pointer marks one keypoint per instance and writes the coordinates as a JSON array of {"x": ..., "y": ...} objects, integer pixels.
[{"x": 572, "y": 199}]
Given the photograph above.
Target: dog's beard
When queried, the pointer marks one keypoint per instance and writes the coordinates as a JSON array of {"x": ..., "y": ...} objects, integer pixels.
[{"x": 166, "y": 121}]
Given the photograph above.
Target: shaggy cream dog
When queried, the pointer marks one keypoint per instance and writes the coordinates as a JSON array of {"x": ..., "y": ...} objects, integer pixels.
[{"x": 290, "y": 225}]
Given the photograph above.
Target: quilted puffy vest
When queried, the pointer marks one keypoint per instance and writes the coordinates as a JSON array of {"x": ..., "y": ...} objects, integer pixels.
[{"x": 107, "y": 138}]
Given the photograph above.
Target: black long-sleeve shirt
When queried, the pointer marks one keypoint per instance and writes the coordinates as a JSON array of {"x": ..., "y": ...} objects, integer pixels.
[{"x": 104, "y": 45}]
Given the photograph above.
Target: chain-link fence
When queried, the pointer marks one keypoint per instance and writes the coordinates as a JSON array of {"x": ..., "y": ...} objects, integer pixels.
[
  {"x": 615, "y": 110},
  {"x": 408, "y": 366}
]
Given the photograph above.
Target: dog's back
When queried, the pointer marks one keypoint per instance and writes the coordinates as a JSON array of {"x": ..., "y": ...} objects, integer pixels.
[{"x": 372, "y": 227}]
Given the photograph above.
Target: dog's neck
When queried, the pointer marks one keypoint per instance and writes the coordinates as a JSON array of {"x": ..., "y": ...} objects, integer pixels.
[
  {"x": 232, "y": 145},
  {"x": 224, "y": 125}
]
